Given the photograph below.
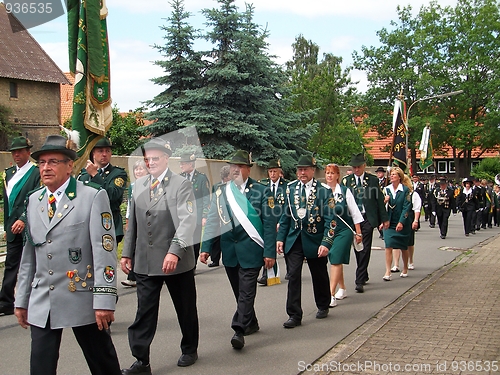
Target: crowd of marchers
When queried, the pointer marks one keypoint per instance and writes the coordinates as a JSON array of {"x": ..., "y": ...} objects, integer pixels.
[{"x": 62, "y": 233}]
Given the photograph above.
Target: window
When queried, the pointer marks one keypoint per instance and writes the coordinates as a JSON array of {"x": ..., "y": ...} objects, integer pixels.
[
  {"x": 13, "y": 90},
  {"x": 430, "y": 169},
  {"x": 442, "y": 166},
  {"x": 451, "y": 166}
]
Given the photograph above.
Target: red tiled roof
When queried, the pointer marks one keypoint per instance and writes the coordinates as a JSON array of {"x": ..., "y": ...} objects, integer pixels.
[
  {"x": 67, "y": 98},
  {"x": 21, "y": 57},
  {"x": 379, "y": 149}
]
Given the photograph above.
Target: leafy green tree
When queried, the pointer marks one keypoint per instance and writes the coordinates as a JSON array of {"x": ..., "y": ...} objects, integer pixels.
[
  {"x": 323, "y": 87},
  {"x": 437, "y": 51},
  {"x": 125, "y": 131},
  {"x": 7, "y": 128},
  {"x": 488, "y": 168}
]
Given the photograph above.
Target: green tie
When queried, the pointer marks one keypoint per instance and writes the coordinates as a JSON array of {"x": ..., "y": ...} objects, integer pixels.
[
  {"x": 303, "y": 197},
  {"x": 360, "y": 193}
]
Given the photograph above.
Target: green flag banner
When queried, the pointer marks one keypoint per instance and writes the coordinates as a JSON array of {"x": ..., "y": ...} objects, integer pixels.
[
  {"x": 89, "y": 63},
  {"x": 399, "y": 135}
]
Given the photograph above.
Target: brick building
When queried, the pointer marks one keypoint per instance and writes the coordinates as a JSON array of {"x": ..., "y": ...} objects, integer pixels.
[{"x": 29, "y": 82}]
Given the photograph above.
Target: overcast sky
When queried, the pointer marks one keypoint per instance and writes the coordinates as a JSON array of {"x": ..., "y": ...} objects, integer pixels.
[{"x": 134, "y": 27}]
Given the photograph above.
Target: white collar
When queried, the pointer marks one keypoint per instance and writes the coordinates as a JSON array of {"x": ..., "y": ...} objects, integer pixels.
[{"x": 59, "y": 193}]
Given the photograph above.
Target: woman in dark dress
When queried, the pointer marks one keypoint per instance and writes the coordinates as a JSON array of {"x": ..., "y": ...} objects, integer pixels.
[
  {"x": 397, "y": 236},
  {"x": 339, "y": 254},
  {"x": 467, "y": 204}
]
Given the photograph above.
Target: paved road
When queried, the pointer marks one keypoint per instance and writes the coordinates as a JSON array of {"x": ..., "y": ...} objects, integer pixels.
[{"x": 273, "y": 350}]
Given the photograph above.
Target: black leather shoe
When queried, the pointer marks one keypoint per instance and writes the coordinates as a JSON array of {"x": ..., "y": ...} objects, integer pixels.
[
  {"x": 359, "y": 288},
  {"x": 287, "y": 276},
  {"x": 187, "y": 359},
  {"x": 213, "y": 264},
  {"x": 137, "y": 368},
  {"x": 6, "y": 310},
  {"x": 322, "y": 314},
  {"x": 251, "y": 329},
  {"x": 292, "y": 323},
  {"x": 442, "y": 237},
  {"x": 238, "y": 341}
]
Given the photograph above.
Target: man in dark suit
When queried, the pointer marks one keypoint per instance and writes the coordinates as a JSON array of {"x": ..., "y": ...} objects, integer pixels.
[
  {"x": 366, "y": 190},
  {"x": 201, "y": 188},
  {"x": 277, "y": 187},
  {"x": 18, "y": 181},
  {"x": 382, "y": 181},
  {"x": 111, "y": 178},
  {"x": 306, "y": 230},
  {"x": 67, "y": 276},
  {"x": 480, "y": 194},
  {"x": 428, "y": 191},
  {"x": 159, "y": 237},
  {"x": 443, "y": 202},
  {"x": 241, "y": 212}
]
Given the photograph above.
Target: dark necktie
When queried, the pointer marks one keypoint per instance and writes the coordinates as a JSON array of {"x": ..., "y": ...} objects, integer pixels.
[
  {"x": 273, "y": 190},
  {"x": 359, "y": 195},
  {"x": 303, "y": 197},
  {"x": 52, "y": 207}
]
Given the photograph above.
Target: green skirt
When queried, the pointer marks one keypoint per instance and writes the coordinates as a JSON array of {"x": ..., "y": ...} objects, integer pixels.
[
  {"x": 340, "y": 251},
  {"x": 397, "y": 240}
]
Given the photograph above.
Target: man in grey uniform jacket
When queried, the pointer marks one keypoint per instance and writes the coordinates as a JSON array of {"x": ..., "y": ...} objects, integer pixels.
[
  {"x": 159, "y": 237},
  {"x": 67, "y": 273}
]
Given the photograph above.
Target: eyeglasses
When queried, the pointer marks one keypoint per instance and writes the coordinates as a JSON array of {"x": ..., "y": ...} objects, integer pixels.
[
  {"x": 51, "y": 162},
  {"x": 156, "y": 159}
]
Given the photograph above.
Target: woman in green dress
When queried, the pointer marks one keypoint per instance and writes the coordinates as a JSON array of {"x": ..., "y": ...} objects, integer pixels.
[
  {"x": 347, "y": 209},
  {"x": 397, "y": 236}
]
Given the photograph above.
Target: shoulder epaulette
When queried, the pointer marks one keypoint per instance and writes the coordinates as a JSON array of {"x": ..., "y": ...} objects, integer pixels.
[
  {"x": 92, "y": 184},
  {"x": 326, "y": 185},
  {"x": 291, "y": 182}
]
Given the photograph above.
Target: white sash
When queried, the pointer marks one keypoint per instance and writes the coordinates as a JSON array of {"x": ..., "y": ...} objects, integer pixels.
[{"x": 242, "y": 217}]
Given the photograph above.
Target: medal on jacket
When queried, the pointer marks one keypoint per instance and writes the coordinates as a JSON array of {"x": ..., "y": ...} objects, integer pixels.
[{"x": 74, "y": 278}]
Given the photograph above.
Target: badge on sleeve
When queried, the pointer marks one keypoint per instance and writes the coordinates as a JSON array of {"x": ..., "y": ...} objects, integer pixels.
[
  {"x": 106, "y": 220},
  {"x": 189, "y": 206},
  {"x": 119, "y": 182},
  {"x": 109, "y": 274},
  {"x": 108, "y": 242}
]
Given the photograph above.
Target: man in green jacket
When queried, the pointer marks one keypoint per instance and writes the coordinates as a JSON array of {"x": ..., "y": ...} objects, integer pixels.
[
  {"x": 111, "y": 178},
  {"x": 369, "y": 197},
  {"x": 18, "y": 181},
  {"x": 241, "y": 211},
  {"x": 306, "y": 230}
]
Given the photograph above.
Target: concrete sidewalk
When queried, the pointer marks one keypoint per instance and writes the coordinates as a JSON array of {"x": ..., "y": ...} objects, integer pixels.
[{"x": 449, "y": 323}]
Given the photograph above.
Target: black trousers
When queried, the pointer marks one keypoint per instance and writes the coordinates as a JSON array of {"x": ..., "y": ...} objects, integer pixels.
[
  {"x": 244, "y": 284},
  {"x": 442, "y": 218},
  {"x": 96, "y": 345},
  {"x": 320, "y": 281},
  {"x": 183, "y": 293},
  {"x": 196, "y": 241},
  {"x": 363, "y": 256},
  {"x": 12, "y": 262},
  {"x": 467, "y": 218},
  {"x": 216, "y": 251}
]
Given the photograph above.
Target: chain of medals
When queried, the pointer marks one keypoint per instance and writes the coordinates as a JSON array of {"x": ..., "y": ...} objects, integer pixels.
[
  {"x": 302, "y": 211},
  {"x": 219, "y": 208},
  {"x": 74, "y": 278},
  {"x": 441, "y": 197}
]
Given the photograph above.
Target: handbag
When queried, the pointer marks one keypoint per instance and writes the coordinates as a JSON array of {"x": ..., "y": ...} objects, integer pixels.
[{"x": 357, "y": 246}]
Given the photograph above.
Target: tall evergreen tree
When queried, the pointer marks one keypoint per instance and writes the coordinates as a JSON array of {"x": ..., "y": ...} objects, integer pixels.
[
  {"x": 183, "y": 69},
  {"x": 242, "y": 99}
]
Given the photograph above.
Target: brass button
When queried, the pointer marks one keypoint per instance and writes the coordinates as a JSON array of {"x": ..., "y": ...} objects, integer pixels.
[
  {"x": 51, "y": 272},
  {"x": 51, "y": 287},
  {"x": 49, "y": 241},
  {"x": 49, "y": 256}
]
